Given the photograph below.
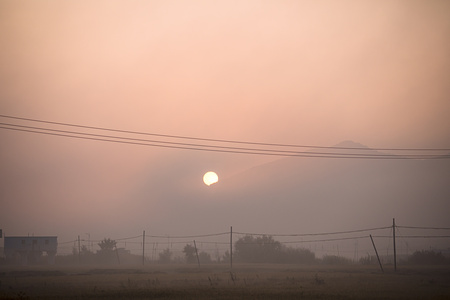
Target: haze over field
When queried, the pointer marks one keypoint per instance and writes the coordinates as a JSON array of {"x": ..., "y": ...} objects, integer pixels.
[{"x": 289, "y": 72}]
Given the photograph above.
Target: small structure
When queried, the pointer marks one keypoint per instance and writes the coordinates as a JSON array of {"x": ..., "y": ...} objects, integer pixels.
[{"x": 25, "y": 249}]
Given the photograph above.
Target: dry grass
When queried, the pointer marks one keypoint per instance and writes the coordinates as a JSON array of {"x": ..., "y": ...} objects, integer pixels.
[{"x": 218, "y": 282}]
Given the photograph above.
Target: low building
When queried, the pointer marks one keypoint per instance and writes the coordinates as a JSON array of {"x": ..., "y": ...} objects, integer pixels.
[{"x": 29, "y": 249}]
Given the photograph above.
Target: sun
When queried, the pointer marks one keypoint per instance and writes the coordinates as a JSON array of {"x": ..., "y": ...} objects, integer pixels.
[{"x": 210, "y": 178}]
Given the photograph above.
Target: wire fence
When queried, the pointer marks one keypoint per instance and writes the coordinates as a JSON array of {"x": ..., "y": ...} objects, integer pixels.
[{"x": 352, "y": 244}]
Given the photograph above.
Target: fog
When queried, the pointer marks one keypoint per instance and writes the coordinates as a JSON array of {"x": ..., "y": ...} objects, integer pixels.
[{"x": 289, "y": 72}]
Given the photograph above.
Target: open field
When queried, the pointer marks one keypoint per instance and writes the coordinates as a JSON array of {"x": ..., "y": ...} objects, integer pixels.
[{"x": 217, "y": 282}]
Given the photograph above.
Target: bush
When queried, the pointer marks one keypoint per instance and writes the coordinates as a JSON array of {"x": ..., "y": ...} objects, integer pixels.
[
  {"x": 165, "y": 257},
  {"x": 204, "y": 258},
  {"x": 264, "y": 249},
  {"x": 296, "y": 256},
  {"x": 335, "y": 260},
  {"x": 368, "y": 260},
  {"x": 189, "y": 252},
  {"x": 427, "y": 257}
]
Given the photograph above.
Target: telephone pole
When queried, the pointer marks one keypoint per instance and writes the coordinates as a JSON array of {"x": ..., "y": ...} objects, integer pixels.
[
  {"x": 376, "y": 252},
  {"x": 196, "y": 253},
  {"x": 231, "y": 247},
  {"x": 143, "y": 248},
  {"x": 395, "y": 250},
  {"x": 79, "y": 250}
]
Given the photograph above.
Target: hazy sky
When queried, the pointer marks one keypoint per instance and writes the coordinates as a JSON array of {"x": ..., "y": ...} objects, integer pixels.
[{"x": 302, "y": 72}]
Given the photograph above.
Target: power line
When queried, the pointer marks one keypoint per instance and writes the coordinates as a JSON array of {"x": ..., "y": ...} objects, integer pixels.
[
  {"x": 184, "y": 242},
  {"x": 434, "y": 228},
  {"x": 316, "y": 234},
  {"x": 68, "y": 242},
  {"x": 424, "y": 236},
  {"x": 223, "y": 140},
  {"x": 327, "y": 240},
  {"x": 413, "y": 236},
  {"x": 210, "y": 148},
  {"x": 277, "y": 235},
  {"x": 174, "y": 143},
  {"x": 177, "y": 144},
  {"x": 312, "y": 241},
  {"x": 129, "y": 238},
  {"x": 187, "y": 236}
]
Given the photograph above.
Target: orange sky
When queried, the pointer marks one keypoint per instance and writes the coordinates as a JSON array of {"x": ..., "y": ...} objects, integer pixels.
[
  {"x": 287, "y": 71},
  {"x": 303, "y": 72}
]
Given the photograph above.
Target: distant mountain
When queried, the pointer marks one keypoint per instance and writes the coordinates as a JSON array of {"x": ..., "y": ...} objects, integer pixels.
[
  {"x": 351, "y": 144},
  {"x": 354, "y": 147}
]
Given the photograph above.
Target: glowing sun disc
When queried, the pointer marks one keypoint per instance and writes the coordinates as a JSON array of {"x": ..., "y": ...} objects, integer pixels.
[{"x": 210, "y": 178}]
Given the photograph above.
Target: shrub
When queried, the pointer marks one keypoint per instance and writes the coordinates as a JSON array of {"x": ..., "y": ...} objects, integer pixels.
[
  {"x": 165, "y": 256},
  {"x": 427, "y": 257},
  {"x": 368, "y": 260},
  {"x": 335, "y": 260},
  {"x": 264, "y": 249},
  {"x": 204, "y": 258}
]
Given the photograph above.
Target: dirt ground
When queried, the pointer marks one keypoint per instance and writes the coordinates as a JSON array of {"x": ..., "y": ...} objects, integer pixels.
[{"x": 221, "y": 282}]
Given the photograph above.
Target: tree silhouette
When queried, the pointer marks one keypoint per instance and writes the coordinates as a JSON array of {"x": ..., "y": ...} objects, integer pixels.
[
  {"x": 427, "y": 257},
  {"x": 204, "y": 258},
  {"x": 189, "y": 252},
  {"x": 264, "y": 249},
  {"x": 261, "y": 249},
  {"x": 165, "y": 256},
  {"x": 107, "y": 245},
  {"x": 106, "y": 253}
]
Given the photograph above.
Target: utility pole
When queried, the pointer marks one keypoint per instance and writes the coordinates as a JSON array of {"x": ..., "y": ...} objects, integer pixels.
[
  {"x": 196, "y": 253},
  {"x": 395, "y": 250},
  {"x": 143, "y": 248},
  {"x": 79, "y": 250},
  {"x": 89, "y": 241},
  {"x": 231, "y": 247},
  {"x": 117, "y": 254},
  {"x": 376, "y": 252}
]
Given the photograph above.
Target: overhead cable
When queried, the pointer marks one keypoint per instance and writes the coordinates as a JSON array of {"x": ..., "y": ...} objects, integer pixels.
[
  {"x": 327, "y": 240},
  {"x": 221, "y": 140},
  {"x": 190, "y": 146},
  {"x": 315, "y": 234},
  {"x": 416, "y": 227},
  {"x": 424, "y": 236},
  {"x": 209, "y": 148},
  {"x": 186, "y": 236}
]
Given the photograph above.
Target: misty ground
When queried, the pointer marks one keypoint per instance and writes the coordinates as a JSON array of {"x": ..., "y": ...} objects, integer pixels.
[{"x": 255, "y": 281}]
